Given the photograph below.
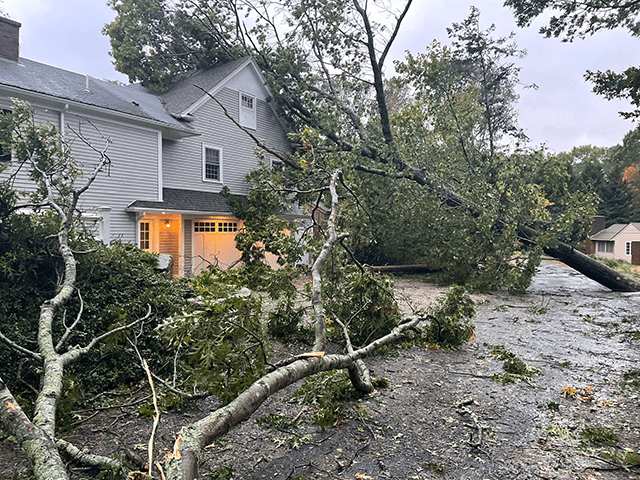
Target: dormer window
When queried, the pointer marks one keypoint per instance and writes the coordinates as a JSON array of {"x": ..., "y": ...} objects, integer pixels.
[{"x": 247, "y": 110}]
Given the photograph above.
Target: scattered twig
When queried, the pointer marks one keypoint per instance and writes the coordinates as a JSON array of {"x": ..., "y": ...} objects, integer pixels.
[
  {"x": 113, "y": 407},
  {"x": 468, "y": 374},
  {"x": 19, "y": 375},
  {"x": 80, "y": 422}
]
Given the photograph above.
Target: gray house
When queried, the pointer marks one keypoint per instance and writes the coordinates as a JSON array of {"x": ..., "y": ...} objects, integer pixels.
[{"x": 171, "y": 155}]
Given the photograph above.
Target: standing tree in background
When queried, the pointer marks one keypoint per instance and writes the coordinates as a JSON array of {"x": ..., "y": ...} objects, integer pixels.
[
  {"x": 577, "y": 19},
  {"x": 488, "y": 64}
]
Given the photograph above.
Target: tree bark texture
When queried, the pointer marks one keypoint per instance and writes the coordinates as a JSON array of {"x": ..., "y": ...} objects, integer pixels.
[
  {"x": 36, "y": 444},
  {"x": 316, "y": 269},
  {"x": 593, "y": 269}
]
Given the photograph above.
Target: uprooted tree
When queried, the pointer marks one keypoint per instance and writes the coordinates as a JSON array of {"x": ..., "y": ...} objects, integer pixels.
[
  {"x": 221, "y": 337},
  {"x": 447, "y": 143}
]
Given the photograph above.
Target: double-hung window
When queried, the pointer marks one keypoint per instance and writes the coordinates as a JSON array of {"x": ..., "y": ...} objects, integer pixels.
[
  {"x": 247, "y": 110},
  {"x": 211, "y": 164}
]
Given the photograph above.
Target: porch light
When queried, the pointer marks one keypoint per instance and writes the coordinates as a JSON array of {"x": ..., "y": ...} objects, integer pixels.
[{"x": 167, "y": 223}]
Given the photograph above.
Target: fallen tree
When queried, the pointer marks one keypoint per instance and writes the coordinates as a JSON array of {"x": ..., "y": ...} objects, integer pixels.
[
  {"x": 586, "y": 265},
  {"x": 51, "y": 168}
]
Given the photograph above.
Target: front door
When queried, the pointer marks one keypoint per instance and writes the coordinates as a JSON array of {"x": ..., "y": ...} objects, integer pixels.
[{"x": 148, "y": 234}]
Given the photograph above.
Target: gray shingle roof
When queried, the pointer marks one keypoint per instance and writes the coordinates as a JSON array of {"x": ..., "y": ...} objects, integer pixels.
[
  {"x": 44, "y": 79},
  {"x": 608, "y": 233},
  {"x": 183, "y": 93},
  {"x": 184, "y": 201}
]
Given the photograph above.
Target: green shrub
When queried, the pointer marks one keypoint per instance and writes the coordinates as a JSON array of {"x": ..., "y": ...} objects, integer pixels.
[
  {"x": 451, "y": 319},
  {"x": 116, "y": 285}
]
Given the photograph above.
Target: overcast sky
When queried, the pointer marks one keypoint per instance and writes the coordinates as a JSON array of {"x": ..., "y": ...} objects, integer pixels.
[{"x": 562, "y": 113}]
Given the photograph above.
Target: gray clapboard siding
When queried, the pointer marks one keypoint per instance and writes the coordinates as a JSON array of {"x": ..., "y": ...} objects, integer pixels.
[
  {"x": 182, "y": 161},
  {"x": 132, "y": 174}
]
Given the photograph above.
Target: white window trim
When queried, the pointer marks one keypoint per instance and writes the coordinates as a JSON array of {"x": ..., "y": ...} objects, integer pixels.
[
  {"x": 627, "y": 248},
  {"x": 204, "y": 163},
  {"x": 276, "y": 163},
  {"x": 254, "y": 123}
]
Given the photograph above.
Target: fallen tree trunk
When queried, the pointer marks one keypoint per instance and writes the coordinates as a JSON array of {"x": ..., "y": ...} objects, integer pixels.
[
  {"x": 404, "y": 269},
  {"x": 182, "y": 463},
  {"x": 586, "y": 265},
  {"x": 589, "y": 267}
]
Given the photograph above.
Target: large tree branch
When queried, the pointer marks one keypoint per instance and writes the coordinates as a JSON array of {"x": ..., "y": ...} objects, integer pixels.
[
  {"x": 316, "y": 269},
  {"x": 182, "y": 463},
  {"x": 36, "y": 444}
]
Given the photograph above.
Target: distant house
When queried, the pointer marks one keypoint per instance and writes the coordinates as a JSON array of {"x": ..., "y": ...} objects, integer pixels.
[
  {"x": 171, "y": 154},
  {"x": 616, "y": 241}
]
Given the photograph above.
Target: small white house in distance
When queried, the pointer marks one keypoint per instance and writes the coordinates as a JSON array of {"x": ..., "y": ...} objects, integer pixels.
[{"x": 616, "y": 241}]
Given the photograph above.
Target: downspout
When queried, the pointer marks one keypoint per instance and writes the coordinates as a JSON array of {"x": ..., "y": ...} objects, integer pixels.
[
  {"x": 160, "y": 182},
  {"x": 62, "y": 119}
]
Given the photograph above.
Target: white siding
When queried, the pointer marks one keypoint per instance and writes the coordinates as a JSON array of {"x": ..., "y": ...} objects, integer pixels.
[{"x": 182, "y": 160}]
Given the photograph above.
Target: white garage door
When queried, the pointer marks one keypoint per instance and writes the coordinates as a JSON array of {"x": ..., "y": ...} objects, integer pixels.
[{"x": 214, "y": 243}]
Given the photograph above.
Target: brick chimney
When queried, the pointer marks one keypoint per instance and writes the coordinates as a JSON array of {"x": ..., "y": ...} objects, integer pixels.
[
  {"x": 599, "y": 223},
  {"x": 9, "y": 39}
]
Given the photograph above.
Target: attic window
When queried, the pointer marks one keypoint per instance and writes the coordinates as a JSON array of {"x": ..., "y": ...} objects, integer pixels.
[{"x": 247, "y": 110}]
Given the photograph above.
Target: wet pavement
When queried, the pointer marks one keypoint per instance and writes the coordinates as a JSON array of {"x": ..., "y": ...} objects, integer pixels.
[{"x": 444, "y": 416}]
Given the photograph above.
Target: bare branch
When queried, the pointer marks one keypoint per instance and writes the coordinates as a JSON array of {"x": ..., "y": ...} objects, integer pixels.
[
  {"x": 383, "y": 56},
  {"x": 11, "y": 344},
  {"x": 70, "y": 329},
  {"x": 84, "y": 458},
  {"x": 74, "y": 354},
  {"x": 316, "y": 282},
  {"x": 358, "y": 372},
  {"x": 156, "y": 416}
]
